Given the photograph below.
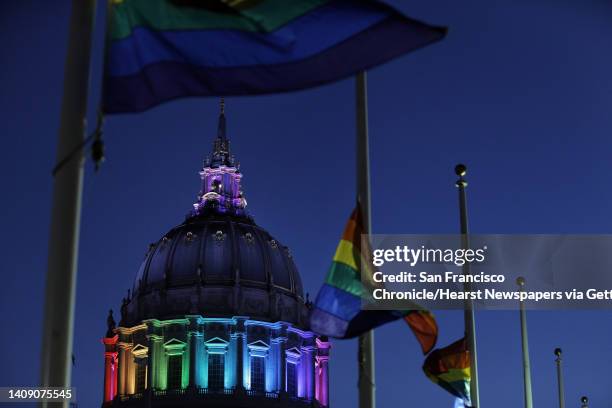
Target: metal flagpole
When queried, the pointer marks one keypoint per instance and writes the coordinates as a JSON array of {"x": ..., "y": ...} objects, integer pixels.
[
  {"x": 561, "y": 387},
  {"x": 66, "y": 208},
  {"x": 470, "y": 323},
  {"x": 525, "y": 344},
  {"x": 366, "y": 341}
]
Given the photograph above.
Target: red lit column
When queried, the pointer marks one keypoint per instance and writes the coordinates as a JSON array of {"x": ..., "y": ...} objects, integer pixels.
[{"x": 110, "y": 367}]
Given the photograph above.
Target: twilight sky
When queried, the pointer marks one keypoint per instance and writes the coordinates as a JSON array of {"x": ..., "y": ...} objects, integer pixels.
[{"x": 519, "y": 90}]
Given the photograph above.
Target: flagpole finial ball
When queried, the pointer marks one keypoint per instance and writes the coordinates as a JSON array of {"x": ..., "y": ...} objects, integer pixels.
[
  {"x": 520, "y": 281},
  {"x": 460, "y": 170},
  {"x": 584, "y": 400},
  {"x": 558, "y": 352}
]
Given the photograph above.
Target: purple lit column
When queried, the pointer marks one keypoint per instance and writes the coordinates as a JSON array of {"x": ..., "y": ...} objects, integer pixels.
[{"x": 322, "y": 375}]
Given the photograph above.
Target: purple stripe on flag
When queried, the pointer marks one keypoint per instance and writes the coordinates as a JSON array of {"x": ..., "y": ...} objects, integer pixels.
[{"x": 165, "y": 81}]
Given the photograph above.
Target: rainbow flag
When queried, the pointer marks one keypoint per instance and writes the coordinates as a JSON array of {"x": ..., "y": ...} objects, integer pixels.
[
  {"x": 449, "y": 367},
  {"x": 338, "y": 310},
  {"x": 158, "y": 50}
]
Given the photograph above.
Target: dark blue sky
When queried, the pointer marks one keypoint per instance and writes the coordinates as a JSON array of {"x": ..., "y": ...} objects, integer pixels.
[{"x": 520, "y": 90}]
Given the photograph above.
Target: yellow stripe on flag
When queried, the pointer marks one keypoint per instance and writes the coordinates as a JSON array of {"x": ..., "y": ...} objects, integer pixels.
[
  {"x": 454, "y": 374},
  {"x": 345, "y": 253}
]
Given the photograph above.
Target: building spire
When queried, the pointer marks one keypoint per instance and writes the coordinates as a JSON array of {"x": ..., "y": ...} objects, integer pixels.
[
  {"x": 221, "y": 146},
  {"x": 221, "y": 128},
  {"x": 221, "y": 178}
]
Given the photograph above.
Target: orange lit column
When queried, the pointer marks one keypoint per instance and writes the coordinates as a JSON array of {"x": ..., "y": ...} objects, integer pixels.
[{"x": 110, "y": 367}]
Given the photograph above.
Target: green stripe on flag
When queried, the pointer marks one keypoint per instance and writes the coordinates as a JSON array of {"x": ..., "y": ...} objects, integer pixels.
[
  {"x": 344, "y": 277},
  {"x": 264, "y": 16}
]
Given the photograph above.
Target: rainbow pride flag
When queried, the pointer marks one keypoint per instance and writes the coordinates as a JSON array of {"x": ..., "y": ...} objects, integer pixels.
[
  {"x": 449, "y": 367},
  {"x": 337, "y": 311},
  {"x": 158, "y": 50}
]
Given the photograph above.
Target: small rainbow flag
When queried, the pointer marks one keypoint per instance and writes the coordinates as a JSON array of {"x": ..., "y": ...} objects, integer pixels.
[
  {"x": 159, "y": 50},
  {"x": 338, "y": 310},
  {"x": 449, "y": 367}
]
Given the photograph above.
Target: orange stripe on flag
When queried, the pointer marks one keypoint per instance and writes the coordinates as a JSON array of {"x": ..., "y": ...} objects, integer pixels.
[{"x": 424, "y": 327}]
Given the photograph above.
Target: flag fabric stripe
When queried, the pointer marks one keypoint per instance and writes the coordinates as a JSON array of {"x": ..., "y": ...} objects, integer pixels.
[
  {"x": 345, "y": 254},
  {"x": 334, "y": 40},
  {"x": 342, "y": 276},
  {"x": 295, "y": 41},
  {"x": 338, "y": 308},
  {"x": 449, "y": 367},
  {"x": 454, "y": 375},
  {"x": 338, "y": 302},
  {"x": 322, "y": 321},
  {"x": 167, "y": 15},
  {"x": 351, "y": 229},
  {"x": 424, "y": 327}
]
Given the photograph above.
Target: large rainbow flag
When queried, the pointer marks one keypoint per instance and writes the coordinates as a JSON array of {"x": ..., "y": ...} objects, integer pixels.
[
  {"x": 338, "y": 310},
  {"x": 449, "y": 367},
  {"x": 158, "y": 50}
]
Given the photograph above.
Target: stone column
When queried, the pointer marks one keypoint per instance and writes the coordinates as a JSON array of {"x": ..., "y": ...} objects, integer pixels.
[
  {"x": 193, "y": 345},
  {"x": 110, "y": 367},
  {"x": 282, "y": 361},
  {"x": 122, "y": 368},
  {"x": 323, "y": 346},
  {"x": 275, "y": 357},
  {"x": 240, "y": 333},
  {"x": 152, "y": 362},
  {"x": 130, "y": 380},
  {"x": 240, "y": 361},
  {"x": 310, "y": 372}
]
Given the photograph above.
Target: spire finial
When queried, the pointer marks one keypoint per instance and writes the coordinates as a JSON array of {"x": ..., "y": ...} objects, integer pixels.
[{"x": 221, "y": 129}]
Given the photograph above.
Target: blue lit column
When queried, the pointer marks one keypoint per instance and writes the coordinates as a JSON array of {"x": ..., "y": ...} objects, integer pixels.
[
  {"x": 240, "y": 340},
  {"x": 283, "y": 364},
  {"x": 309, "y": 373}
]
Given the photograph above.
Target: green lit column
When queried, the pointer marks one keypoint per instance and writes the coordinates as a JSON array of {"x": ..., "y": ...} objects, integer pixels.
[
  {"x": 192, "y": 335},
  {"x": 155, "y": 367}
]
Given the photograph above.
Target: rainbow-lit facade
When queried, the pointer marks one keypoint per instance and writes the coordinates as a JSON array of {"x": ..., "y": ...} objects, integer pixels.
[{"x": 216, "y": 316}]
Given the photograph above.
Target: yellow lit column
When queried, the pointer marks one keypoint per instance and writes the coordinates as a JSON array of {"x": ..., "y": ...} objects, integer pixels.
[
  {"x": 123, "y": 350},
  {"x": 130, "y": 380}
]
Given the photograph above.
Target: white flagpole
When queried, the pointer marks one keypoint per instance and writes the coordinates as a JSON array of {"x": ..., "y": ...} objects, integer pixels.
[
  {"x": 525, "y": 345},
  {"x": 561, "y": 387},
  {"x": 56, "y": 364},
  {"x": 470, "y": 321},
  {"x": 367, "y": 395}
]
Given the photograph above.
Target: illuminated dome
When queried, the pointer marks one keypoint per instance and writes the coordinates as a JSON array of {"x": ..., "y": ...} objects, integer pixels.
[
  {"x": 216, "y": 315},
  {"x": 218, "y": 265}
]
